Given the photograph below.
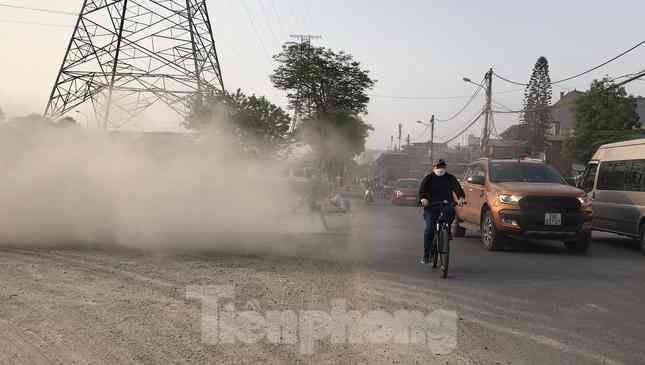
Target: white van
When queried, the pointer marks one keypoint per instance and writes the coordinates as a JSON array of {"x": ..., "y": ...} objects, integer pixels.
[{"x": 615, "y": 181}]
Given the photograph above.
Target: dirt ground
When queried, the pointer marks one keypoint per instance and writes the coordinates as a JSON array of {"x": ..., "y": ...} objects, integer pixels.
[{"x": 108, "y": 305}]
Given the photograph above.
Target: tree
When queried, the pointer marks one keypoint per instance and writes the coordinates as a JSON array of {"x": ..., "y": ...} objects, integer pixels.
[
  {"x": 537, "y": 102},
  {"x": 259, "y": 126},
  {"x": 337, "y": 140},
  {"x": 319, "y": 80},
  {"x": 604, "y": 114},
  {"x": 260, "y": 122},
  {"x": 329, "y": 89}
]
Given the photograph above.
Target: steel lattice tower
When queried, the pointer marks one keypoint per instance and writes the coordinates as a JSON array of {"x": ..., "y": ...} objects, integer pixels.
[{"x": 126, "y": 55}]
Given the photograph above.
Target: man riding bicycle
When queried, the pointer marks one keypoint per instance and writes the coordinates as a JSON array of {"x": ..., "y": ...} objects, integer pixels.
[{"x": 437, "y": 187}]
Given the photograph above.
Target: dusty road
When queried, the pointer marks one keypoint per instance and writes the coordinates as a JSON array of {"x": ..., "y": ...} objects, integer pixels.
[{"x": 534, "y": 304}]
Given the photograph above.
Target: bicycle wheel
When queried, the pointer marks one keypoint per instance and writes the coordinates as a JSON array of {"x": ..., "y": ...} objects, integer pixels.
[
  {"x": 444, "y": 252},
  {"x": 435, "y": 251}
]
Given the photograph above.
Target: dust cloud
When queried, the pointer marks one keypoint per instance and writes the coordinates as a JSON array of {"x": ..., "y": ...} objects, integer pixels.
[{"x": 71, "y": 186}]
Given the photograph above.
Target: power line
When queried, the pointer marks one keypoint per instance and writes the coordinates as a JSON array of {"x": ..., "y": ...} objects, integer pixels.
[
  {"x": 581, "y": 73},
  {"x": 509, "y": 81},
  {"x": 502, "y": 105},
  {"x": 268, "y": 20},
  {"x": 479, "y": 88},
  {"x": 636, "y": 77},
  {"x": 465, "y": 129},
  {"x": 42, "y": 10},
  {"x": 277, "y": 15},
  {"x": 36, "y": 23},
  {"x": 419, "y": 97},
  {"x": 400, "y": 97},
  {"x": 418, "y": 137},
  {"x": 602, "y": 64},
  {"x": 627, "y": 75},
  {"x": 255, "y": 29}
]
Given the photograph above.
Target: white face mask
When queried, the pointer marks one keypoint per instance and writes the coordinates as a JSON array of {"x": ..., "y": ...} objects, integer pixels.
[{"x": 439, "y": 172}]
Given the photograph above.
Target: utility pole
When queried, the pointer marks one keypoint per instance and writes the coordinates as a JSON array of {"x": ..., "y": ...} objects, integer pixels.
[
  {"x": 488, "y": 112},
  {"x": 400, "y": 132},
  {"x": 432, "y": 140}
]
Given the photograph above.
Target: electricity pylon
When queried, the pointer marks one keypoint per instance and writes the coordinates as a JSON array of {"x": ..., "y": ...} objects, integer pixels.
[{"x": 127, "y": 55}]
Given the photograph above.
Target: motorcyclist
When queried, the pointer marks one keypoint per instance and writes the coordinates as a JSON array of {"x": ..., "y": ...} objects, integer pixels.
[
  {"x": 436, "y": 187},
  {"x": 368, "y": 197}
]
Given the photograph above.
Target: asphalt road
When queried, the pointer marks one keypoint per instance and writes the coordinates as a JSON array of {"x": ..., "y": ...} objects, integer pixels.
[{"x": 532, "y": 303}]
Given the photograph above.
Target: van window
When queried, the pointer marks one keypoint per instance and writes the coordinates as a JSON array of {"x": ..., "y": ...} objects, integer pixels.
[
  {"x": 635, "y": 176},
  {"x": 589, "y": 177},
  {"x": 612, "y": 175}
]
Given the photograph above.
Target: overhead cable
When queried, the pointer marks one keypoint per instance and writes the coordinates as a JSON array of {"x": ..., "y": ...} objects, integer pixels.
[
  {"x": 479, "y": 88},
  {"x": 465, "y": 129},
  {"x": 581, "y": 73},
  {"x": 42, "y": 10}
]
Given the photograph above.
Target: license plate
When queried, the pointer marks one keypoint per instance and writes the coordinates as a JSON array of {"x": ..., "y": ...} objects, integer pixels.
[{"x": 553, "y": 219}]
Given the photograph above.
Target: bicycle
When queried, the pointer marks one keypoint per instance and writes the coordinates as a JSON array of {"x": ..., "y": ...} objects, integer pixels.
[{"x": 441, "y": 241}]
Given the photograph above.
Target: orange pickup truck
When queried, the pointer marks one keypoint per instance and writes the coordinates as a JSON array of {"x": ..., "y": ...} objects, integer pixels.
[{"x": 526, "y": 199}]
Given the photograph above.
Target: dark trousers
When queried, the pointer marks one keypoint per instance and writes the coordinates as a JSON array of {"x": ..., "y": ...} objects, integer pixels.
[{"x": 430, "y": 215}]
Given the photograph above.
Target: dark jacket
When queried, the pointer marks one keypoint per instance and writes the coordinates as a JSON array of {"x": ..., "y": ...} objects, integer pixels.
[{"x": 447, "y": 185}]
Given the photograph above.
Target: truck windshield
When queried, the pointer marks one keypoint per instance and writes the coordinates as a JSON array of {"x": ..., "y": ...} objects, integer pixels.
[{"x": 516, "y": 171}]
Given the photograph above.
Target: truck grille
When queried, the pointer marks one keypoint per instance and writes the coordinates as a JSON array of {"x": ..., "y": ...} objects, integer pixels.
[
  {"x": 534, "y": 209},
  {"x": 549, "y": 204}
]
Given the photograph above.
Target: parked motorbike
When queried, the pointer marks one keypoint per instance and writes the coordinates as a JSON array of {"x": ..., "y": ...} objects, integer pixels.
[{"x": 368, "y": 198}]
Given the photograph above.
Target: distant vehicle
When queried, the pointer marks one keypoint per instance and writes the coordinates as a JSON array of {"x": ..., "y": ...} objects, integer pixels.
[
  {"x": 405, "y": 192},
  {"x": 615, "y": 182},
  {"x": 368, "y": 197},
  {"x": 523, "y": 198}
]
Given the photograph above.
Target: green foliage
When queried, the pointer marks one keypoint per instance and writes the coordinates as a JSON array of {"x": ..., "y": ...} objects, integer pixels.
[
  {"x": 258, "y": 120},
  {"x": 537, "y": 101},
  {"x": 319, "y": 80},
  {"x": 329, "y": 89},
  {"x": 259, "y": 126},
  {"x": 604, "y": 114}
]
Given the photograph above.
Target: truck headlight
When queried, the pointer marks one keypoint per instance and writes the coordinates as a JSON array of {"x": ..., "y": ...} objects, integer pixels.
[
  {"x": 584, "y": 201},
  {"x": 508, "y": 199}
]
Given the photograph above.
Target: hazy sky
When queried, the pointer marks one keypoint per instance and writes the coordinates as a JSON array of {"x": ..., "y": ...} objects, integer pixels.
[{"x": 413, "y": 48}]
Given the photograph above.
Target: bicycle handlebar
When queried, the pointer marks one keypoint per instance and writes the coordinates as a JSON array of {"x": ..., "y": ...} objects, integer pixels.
[{"x": 439, "y": 203}]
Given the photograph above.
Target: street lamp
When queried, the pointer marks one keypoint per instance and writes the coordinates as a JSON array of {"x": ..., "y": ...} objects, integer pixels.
[{"x": 472, "y": 82}]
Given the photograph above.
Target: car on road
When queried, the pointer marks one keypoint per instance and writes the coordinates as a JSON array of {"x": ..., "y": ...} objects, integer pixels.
[
  {"x": 405, "y": 192},
  {"x": 523, "y": 199},
  {"x": 615, "y": 182}
]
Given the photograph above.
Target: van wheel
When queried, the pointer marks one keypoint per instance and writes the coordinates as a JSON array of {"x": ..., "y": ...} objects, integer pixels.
[
  {"x": 580, "y": 245},
  {"x": 492, "y": 239}
]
